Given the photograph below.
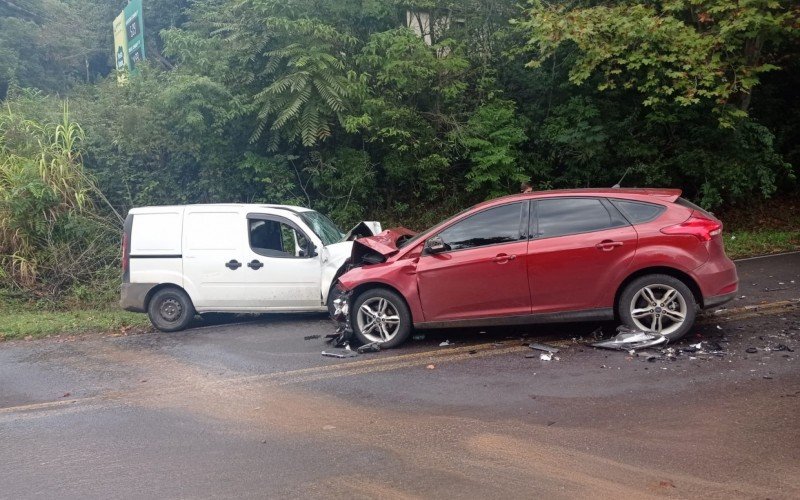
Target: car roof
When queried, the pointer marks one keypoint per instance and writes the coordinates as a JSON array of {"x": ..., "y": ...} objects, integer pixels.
[
  {"x": 246, "y": 206},
  {"x": 640, "y": 194}
]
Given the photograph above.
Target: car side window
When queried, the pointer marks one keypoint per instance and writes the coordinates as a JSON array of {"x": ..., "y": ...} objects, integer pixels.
[
  {"x": 490, "y": 227},
  {"x": 638, "y": 212},
  {"x": 273, "y": 238},
  {"x": 563, "y": 216}
]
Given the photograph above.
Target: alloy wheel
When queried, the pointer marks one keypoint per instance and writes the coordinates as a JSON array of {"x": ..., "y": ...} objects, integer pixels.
[
  {"x": 658, "y": 308},
  {"x": 378, "y": 320}
]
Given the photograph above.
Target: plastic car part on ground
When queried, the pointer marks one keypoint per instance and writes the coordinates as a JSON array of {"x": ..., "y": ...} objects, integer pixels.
[
  {"x": 340, "y": 353},
  {"x": 371, "y": 347},
  {"x": 543, "y": 347},
  {"x": 341, "y": 315},
  {"x": 628, "y": 339}
]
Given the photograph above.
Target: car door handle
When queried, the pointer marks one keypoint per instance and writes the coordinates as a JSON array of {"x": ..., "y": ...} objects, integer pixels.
[
  {"x": 608, "y": 245},
  {"x": 255, "y": 265},
  {"x": 233, "y": 264},
  {"x": 502, "y": 258}
]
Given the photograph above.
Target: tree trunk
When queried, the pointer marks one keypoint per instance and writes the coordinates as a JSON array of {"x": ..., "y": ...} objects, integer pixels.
[{"x": 752, "y": 54}]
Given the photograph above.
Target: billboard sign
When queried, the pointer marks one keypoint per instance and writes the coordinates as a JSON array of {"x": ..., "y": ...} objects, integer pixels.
[{"x": 129, "y": 37}]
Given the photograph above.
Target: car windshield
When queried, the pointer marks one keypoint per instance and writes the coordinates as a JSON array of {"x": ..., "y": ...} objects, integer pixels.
[{"x": 322, "y": 227}]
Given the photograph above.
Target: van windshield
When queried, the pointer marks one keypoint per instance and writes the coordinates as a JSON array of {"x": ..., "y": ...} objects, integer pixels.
[{"x": 322, "y": 227}]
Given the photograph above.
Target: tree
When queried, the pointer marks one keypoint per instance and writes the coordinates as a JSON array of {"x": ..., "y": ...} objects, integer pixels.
[{"x": 681, "y": 51}]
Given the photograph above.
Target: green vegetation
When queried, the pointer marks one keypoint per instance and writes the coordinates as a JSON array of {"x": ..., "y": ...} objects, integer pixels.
[
  {"x": 740, "y": 244},
  {"x": 24, "y": 323},
  {"x": 339, "y": 105}
]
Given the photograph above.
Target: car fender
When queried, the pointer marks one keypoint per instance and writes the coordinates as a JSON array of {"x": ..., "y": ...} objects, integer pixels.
[{"x": 399, "y": 275}]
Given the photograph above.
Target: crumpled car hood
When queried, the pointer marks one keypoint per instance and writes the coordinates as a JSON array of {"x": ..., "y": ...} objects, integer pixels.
[
  {"x": 384, "y": 243},
  {"x": 363, "y": 228}
]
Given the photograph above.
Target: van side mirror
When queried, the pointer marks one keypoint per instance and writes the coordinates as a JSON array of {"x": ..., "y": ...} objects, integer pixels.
[{"x": 436, "y": 244}]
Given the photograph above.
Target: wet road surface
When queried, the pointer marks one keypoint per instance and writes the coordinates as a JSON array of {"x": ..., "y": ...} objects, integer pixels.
[{"x": 251, "y": 409}]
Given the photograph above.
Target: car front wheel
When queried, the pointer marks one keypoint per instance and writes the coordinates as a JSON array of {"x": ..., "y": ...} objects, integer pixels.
[
  {"x": 658, "y": 303},
  {"x": 381, "y": 315}
]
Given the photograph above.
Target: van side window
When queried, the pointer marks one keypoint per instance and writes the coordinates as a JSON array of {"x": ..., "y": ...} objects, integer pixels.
[{"x": 272, "y": 238}]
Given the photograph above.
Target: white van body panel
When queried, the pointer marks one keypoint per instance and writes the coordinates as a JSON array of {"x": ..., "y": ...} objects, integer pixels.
[
  {"x": 158, "y": 232},
  {"x": 333, "y": 257},
  {"x": 213, "y": 236},
  {"x": 190, "y": 245}
]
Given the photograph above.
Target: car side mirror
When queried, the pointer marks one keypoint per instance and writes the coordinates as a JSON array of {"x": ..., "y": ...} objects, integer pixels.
[
  {"x": 436, "y": 244},
  {"x": 312, "y": 250}
]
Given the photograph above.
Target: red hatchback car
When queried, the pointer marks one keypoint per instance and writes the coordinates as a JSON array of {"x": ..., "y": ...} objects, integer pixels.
[{"x": 646, "y": 257}]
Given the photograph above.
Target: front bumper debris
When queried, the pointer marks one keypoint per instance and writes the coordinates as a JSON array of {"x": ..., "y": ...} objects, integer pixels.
[
  {"x": 630, "y": 339},
  {"x": 341, "y": 316}
]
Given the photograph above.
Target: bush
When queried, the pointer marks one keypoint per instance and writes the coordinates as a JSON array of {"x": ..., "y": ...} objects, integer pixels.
[{"x": 52, "y": 236}]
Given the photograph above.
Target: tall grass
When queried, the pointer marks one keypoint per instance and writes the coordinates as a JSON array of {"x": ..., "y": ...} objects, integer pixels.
[{"x": 52, "y": 234}]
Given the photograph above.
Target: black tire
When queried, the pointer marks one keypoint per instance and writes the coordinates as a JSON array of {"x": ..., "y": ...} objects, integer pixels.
[
  {"x": 635, "y": 299},
  {"x": 170, "y": 309},
  {"x": 395, "y": 304}
]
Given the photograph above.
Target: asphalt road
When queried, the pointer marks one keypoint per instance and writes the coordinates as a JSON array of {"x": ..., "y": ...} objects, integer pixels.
[{"x": 251, "y": 409}]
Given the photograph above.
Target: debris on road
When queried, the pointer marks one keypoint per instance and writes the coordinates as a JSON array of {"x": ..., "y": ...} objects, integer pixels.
[
  {"x": 445, "y": 343},
  {"x": 311, "y": 337},
  {"x": 543, "y": 347},
  {"x": 629, "y": 339},
  {"x": 341, "y": 316},
  {"x": 431, "y": 367},
  {"x": 419, "y": 336},
  {"x": 340, "y": 353},
  {"x": 371, "y": 347}
]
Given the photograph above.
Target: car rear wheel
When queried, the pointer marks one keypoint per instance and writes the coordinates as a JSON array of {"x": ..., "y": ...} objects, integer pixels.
[
  {"x": 381, "y": 315},
  {"x": 658, "y": 303},
  {"x": 170, "y": 309}
]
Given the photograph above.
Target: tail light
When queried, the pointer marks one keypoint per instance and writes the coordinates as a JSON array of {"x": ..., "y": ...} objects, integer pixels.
[
  {"x": 125, "y": 254},
  {"x": 697, "y": 225}
]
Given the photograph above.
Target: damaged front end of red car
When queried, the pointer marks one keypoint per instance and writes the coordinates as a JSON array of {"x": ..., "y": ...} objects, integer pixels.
[{"x": 369, "y": 250}]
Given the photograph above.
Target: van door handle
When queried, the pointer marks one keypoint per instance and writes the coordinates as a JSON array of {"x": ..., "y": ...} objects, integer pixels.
[
  {"x": 255, "y": 265},
  {"x": 608, "y": 245},
  {"x": 233, "y": 264}
]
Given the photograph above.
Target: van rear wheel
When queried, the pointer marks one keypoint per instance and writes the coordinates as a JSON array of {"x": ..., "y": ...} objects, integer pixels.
[{"x": 170, "y": 309}]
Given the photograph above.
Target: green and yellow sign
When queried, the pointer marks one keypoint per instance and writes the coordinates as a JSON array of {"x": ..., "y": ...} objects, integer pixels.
[{"x": 129, "y": 37}]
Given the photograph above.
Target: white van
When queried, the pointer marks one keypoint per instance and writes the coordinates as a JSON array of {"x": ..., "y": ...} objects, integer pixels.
[{"x": 244, "y": 258}]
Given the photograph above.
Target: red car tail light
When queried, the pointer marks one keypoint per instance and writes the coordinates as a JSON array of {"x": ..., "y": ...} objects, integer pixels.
[{"x": 696, "y": 225}]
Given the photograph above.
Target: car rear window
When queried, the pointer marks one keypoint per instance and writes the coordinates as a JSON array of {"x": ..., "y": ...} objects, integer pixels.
[{"x": 638, "y": 212}]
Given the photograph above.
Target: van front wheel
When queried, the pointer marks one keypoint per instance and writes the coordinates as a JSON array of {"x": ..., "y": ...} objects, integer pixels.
[{"x": 170, "y": 310}]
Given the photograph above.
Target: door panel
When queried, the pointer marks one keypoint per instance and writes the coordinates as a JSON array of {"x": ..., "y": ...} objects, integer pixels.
[
  {"x": 474, "y": 283},
  {"x": 579, "y": 271},
  {"x": 224, "y": 273},
  {"x": 210, "y": 240},
  {"x": 278, "y": 274}
]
